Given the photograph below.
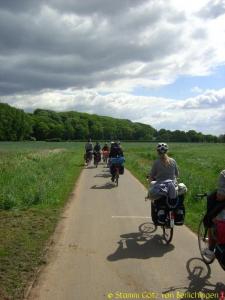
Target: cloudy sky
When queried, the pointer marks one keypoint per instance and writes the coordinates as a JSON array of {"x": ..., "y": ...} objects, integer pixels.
[{"x": 160, "y": 62}]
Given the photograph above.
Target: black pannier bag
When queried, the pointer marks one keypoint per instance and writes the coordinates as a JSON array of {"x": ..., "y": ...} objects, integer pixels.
[
  {"x": 180, "y": 212},
  {"x": 121, "y": 171}
]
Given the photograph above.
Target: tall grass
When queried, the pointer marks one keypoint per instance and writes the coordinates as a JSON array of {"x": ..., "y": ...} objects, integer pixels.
[
  {"x": 35, "y": 180},
  {"x": 37, "y": 175}
]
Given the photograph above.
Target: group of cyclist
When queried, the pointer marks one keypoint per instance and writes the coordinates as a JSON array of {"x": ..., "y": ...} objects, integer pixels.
[
  {"x": 163, "y": 181},
  {"x": 114, "y": 153}
]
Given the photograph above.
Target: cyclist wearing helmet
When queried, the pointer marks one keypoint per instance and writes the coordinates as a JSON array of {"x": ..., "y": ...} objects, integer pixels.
[
  {"x": 163, "y": 176},
  {"x": 164, "y": 167}
]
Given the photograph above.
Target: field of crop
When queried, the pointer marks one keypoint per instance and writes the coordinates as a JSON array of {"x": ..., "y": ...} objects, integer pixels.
[{"x": 36, "y": 179}]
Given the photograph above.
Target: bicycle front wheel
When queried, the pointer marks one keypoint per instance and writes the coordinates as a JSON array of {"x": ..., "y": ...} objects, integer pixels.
[
  {"x": 167, "y": 233},
  {"x": 203, "y": 242}
]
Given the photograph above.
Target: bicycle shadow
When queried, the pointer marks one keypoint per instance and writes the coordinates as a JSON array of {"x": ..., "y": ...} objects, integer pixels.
[
  {"x": 90, "y": 167},
  {"x": 103, "y": 175},
  {"x": 140, "y": 245},
  {"x": 106, "y": 186},
  {"x": 198, "y": 274}
]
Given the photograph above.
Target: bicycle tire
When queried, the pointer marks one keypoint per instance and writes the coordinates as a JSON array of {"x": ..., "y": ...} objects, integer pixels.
[
  {"x": 203, "y": 242},
  {"x": 167, "y": 233},
  {"x": 117, "y": 179}
]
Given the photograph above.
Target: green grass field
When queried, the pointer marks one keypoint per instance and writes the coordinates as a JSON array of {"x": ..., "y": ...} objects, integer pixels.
[{"x": 36, "y": 179}]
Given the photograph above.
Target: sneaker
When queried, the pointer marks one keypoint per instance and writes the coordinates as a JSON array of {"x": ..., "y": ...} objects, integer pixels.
[{"x": 208, "y": 253}]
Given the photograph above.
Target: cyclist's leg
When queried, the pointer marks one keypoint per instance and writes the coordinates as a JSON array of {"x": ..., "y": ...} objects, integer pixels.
[{"x": 113, "y": 172}]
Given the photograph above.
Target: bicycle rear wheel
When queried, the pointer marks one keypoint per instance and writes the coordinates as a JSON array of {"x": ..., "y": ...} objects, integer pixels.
[
  {"x": 203, "y": 242},
  {"x": 167, "y": 233},
  {"x": 117, "y": 179}
]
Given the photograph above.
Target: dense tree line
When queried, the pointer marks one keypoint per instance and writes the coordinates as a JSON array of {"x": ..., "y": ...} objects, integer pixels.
[{"x": 16, "y": 125}]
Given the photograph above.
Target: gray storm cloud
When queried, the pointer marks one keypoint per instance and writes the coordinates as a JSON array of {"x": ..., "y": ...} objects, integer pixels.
[{"x": 84, "y": 44}]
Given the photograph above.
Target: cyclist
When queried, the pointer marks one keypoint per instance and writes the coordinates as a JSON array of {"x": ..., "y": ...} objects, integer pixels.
[
  {"x": 215, "y": 211},
  {"x": 88, "y": 149},
  {"x": 163, "y": 177},
  {"x": 97, "y": 152},
  {"x": 105, "y": 147},
  {"x": 105, "y": 152},
  {"x": 97, "y": 147},
  {"x": 115, "y": 152},
  {"x": 164, "y": 168}
]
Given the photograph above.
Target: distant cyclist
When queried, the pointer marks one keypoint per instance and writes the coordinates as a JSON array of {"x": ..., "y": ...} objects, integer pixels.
[
  {"x": 105, "y": 147},
  {"x": 97, "y": 147},
  {"x": 105, "y": 152},
  {"x": 88, "y": 150},
  {"x": 89, "y": 146},
  {"x": 116, "y": 152}
]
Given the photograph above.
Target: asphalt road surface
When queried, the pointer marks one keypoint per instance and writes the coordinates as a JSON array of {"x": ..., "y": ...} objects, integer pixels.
[{"x": 99, "y": 252}]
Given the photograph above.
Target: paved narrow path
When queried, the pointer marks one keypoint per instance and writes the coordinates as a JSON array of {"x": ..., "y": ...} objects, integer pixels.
[{"x": 99, "y": 252}]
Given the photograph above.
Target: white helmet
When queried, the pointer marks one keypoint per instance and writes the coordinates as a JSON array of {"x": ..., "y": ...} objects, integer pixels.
[{"x": 162, "y": 148}]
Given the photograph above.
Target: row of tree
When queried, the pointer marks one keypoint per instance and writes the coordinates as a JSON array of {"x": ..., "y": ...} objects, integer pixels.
[{"x": 16, "y": 125}]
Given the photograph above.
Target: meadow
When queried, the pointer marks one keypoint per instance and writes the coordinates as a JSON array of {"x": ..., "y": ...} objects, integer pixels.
[{"x": 36, "y": 179}]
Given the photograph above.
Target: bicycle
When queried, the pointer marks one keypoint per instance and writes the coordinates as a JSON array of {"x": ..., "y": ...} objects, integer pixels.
[{"x": 203, "y": 241}]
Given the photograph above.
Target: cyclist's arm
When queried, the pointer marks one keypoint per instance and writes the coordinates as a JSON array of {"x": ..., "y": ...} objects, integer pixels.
[{"x": 176, "y": 171}]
